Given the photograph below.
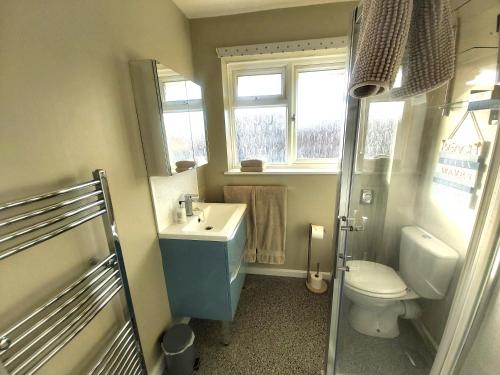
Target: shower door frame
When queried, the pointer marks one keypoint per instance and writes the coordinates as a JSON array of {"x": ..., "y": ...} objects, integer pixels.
[
  {"x": 477, "y": 277},
  {"x": 340, "y": 258}
]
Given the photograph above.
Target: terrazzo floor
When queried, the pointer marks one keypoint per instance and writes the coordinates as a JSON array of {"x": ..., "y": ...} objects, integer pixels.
[
  {"x": 360, "y": 354},
  {"x": 281, "y": 328}
]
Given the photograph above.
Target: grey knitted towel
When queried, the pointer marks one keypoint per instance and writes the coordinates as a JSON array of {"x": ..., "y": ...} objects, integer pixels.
[
  {"x": 384, "y": 32},
  {"x": 429, "y": 60}
]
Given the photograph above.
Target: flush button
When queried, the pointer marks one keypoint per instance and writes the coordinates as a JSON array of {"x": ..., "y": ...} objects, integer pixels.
[{"x": 366, "y": 196}]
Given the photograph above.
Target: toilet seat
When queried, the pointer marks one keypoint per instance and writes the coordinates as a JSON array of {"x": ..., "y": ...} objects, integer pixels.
[{"x": 375, "y": 280}]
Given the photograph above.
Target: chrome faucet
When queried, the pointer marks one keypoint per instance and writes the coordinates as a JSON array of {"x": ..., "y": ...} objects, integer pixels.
[{"x": 188, "y": 203}]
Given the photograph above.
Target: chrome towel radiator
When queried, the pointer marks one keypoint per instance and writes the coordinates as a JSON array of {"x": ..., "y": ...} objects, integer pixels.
[{"x": 27, "y": 345}]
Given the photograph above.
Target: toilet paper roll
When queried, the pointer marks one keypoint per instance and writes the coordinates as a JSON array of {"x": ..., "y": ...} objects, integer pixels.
[
  {"x": 316, "y": 281},
  {"x": 318, "y": 232}
]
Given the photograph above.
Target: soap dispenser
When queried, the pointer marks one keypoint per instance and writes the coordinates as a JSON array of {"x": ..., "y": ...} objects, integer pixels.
[{"x": 180, "y": 213}]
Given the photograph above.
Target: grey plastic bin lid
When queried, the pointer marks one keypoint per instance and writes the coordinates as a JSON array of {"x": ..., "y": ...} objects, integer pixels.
[{"x": 177, "y": 339}]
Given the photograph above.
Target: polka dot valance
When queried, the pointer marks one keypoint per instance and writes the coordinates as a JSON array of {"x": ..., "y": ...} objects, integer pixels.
[{"x": 282, "y": 47}]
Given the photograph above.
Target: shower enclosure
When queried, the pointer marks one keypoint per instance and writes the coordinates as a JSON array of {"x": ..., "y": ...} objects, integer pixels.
[{"x": 401, "y": 168}]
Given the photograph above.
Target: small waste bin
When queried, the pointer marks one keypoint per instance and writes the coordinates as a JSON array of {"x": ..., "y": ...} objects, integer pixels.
[{"x": 181, "y": 357}]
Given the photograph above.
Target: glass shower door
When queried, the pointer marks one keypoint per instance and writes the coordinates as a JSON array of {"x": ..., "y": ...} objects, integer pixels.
[
  {"x": 403, "y": 183},
  {"x": 413, "y": 173},
  {"x": 380, "y": 202}
]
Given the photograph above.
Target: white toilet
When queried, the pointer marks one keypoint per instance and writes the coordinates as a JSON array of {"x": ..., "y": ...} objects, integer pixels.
[{"x": 380, "y": 295}]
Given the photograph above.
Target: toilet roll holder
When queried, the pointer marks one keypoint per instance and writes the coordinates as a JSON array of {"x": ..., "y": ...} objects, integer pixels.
[{"x": 315, "y": 286}]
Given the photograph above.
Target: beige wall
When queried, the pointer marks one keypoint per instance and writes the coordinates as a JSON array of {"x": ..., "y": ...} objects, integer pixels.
[
  {"x": 66, "y": 108},
  {"x": 311, "y": 198},
  {"x": 439, "y": 210}
]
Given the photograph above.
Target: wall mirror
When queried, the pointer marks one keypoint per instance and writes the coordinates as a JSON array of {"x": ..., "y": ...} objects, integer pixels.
[{"x": 171, "y": 118}]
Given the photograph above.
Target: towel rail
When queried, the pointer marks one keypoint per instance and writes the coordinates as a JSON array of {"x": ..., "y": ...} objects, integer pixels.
[
  {"x": 110, "y": 351},
  {"x": 47, "y": 236},
  {"x": 46, "y": 209},
  {"x": 52, "y": 220},
  {"x": 67, "y": 303},
  {"x": 93, "y": 300},
  {"x": 51, "y": 194},
  {"x": 30, "y": 343},
  {"x": 119, "y": 355},
  {"x": 64, "y": 292},
  {"x": 127, "y": 357},
  {"x": 131, "y": 366},
  {"x": 68, "y": 338}
]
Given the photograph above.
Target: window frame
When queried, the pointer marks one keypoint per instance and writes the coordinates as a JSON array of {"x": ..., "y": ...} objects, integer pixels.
[
  {"x": 171, "y": 106},
  {"x": 289, "y": 64}
]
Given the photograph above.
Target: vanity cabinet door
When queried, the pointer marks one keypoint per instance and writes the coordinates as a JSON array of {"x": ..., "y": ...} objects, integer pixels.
[
  {"x": 197, "y": 279},
  {"x": 204, "y": 278}
]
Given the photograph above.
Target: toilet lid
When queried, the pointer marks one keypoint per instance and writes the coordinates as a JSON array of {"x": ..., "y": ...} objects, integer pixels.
[{"x": 374, "y": 278}]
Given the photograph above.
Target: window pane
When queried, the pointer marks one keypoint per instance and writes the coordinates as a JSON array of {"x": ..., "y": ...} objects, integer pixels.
[
  {"x": 261, "y": 133},
  {"x": 175, "y": 90},
  {"x": 198, "y": 135},
  {"x": 320, "y": 114},
  {"x": 178, "y": 134},
  {"x": 259, "y": 85},
  {"x": 193, "y": 90},
  {"x": 381, "y": 128}
]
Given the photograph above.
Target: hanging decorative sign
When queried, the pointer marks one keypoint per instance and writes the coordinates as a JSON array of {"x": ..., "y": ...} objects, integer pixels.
[{"x": 459, "y": 163}]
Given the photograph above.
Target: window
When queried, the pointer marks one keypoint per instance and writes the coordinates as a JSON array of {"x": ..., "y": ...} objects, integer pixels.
[
  {"x": 184, "y": 120},
  {"x": 381, "y": 127},
  {"x": 288, "y": 112},
  {"x": 383, "y": 132}
]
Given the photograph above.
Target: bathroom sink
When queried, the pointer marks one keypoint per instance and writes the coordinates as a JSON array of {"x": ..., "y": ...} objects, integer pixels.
[{"x": 210, "y": 222}]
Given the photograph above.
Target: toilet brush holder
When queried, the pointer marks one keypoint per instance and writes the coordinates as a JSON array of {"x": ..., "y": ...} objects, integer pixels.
[{"x": 315, "y": 282}]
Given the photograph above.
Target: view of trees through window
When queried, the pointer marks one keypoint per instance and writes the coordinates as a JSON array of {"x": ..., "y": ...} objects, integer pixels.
[
  {"x": 261, "y": 134},
  {"x": 320, "y": 113},
  {"x": 285, "y": 127},
  {"x": 381, "y": 128}
]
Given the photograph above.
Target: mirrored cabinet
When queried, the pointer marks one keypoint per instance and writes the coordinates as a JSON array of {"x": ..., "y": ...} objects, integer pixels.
[{"x": 171, "y": 118}]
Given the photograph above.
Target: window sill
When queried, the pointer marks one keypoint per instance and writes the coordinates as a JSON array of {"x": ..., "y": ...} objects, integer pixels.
[{"x": 283, "y": 171}]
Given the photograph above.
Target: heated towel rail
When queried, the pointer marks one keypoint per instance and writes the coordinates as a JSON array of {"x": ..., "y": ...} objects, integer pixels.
[{"x": 27, "y": 345}]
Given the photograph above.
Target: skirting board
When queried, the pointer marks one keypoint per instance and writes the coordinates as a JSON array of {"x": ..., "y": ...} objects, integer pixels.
[
  {"x": 159, "y": 367},
  {"x": 426, "y": 336},
  {"x": 254, "y": 270}
]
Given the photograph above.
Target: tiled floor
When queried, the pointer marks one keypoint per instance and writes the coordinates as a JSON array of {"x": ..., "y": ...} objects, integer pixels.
[{"x": 281, "y": 328}]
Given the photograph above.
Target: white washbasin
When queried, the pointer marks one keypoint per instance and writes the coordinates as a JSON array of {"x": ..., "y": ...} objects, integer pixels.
[{"x": 210, "y": 222}]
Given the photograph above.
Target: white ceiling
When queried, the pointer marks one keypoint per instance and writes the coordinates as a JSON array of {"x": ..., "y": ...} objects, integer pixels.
[{"x": 212, "y": 8}]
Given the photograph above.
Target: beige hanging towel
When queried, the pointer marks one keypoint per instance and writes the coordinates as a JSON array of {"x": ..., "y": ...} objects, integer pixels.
[
  {"x": 384, "y": 32},
  {"x": 270, "y": 208},
  {"x": 429, "y": 60},
  {"x": 245, "y": 194}
]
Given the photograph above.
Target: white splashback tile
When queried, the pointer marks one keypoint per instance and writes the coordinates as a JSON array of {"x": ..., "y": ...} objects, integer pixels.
[{"x": 166, "y": 192}]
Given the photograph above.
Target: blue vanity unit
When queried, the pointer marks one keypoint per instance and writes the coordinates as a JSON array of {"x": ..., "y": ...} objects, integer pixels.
[{"x": 203, "y": 262}]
